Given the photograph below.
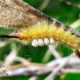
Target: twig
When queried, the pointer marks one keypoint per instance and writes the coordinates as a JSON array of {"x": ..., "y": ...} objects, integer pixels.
[
  {"x": 75, "y": 24},
  {"x": 47, "y": 56},
  {"x": 2, "y": 43},
  {"x": 22, "y": 60},
  {"x": 71, "y": 4},
  {"x": 38, "y": 69},
  {"x": 71, "y": 70},
  {"x": 33, "y": 78},
  {"x": 27, "y": 65},
  {"x": 43, "y": 5},
  {"x": 52, "y": 49},
  {"x": 11, "y": 57},
  {"x": 56, "y": 70}
]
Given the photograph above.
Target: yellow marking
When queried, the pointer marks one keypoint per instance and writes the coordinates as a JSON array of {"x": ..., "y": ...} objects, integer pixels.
[{"x": 49, "y": 31}]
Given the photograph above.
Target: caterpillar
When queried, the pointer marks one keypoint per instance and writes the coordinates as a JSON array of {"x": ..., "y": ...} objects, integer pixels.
[{"x": 54, "y": 31}]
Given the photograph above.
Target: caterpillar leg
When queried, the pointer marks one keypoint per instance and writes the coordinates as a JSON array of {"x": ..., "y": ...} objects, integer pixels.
[
  {"x": 42, "y": 42},
  {"x": 77, "y": 52}
]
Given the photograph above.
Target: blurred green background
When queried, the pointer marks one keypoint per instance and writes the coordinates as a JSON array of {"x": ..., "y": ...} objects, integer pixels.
[{"x": 58, "y": 10}]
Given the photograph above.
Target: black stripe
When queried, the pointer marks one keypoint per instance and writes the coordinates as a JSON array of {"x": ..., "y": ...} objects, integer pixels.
[
  {"x": 66, "y": 27},
  {"x": 7, "y": 36},
  {"x": 58, "y": 24},
  {"x": 73, "y": 31}
]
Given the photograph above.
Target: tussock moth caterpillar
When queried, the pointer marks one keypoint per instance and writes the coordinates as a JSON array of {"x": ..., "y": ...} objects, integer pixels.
[{"x": 50, "y": 32}]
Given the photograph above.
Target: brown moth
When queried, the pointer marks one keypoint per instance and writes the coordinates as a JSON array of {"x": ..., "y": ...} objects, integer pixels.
[{"x": 16, "y": 13}]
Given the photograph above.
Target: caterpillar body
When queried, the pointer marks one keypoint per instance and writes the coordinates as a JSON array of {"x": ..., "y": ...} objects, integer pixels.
[{"x": 55, "y": 30}]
